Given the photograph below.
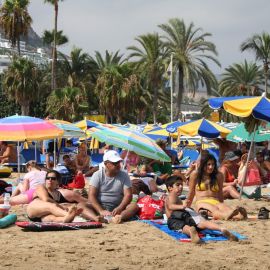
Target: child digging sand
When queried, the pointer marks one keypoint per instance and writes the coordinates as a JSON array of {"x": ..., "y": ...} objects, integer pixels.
[{"x": 185, "y": 219}]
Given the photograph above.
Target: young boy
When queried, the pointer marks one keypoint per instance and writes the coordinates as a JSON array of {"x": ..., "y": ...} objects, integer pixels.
[{"x": 185, "y": 219}]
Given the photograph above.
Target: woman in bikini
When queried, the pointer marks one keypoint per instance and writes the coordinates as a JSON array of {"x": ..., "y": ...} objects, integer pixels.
[
  {"x": 51, "y": 204},
  {"x": 206, "y": 184},
  {"x": 23, "y": 193}
]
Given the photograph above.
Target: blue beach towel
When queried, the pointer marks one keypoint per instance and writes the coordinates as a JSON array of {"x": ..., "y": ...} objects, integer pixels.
[{"x": 205, "y": 235}]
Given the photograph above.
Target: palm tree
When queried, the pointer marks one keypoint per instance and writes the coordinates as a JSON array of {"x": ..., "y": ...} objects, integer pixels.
[
  {"x": 54, "y": 56},
  {"x": 190, "y": 51},
  {"x": 15, "y": 20},
  {"x": 48, "y": 38},
  {"x": 241, "y": 80},
  {"x": 21, "y": 81},
  {"x": 260, "y": 45},
  {"x": 150, "y": 62},
  {"x": 67, "y": 103}
]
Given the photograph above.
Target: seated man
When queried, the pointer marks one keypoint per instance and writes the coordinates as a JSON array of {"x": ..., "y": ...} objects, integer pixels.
[
  {"x": 110, "y": 191},
  {"x": 70, "y": 164},
  {"x": 9, "y": 154}
]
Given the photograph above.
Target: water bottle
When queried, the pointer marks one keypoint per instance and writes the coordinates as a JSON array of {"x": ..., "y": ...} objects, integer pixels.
[{"x": 6, "y": 199}]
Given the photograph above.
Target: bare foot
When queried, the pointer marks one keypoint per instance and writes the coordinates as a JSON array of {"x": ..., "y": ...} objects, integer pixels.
[
  {"x": 229, "y": 235},
  {"x": 233, "y": 213},
  {"x": 117, "y": 219},
  {"x": 194, "y": 236},
  {"x": 72, "y": 213},
  {"x": 100, "y": 219},
  {"x": 243, "y": 212}
]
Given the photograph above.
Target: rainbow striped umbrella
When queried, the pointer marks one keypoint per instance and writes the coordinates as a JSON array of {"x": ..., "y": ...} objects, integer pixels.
[
  {"x": 132, "y": 141},
  {"x": 26, "y": 128}
]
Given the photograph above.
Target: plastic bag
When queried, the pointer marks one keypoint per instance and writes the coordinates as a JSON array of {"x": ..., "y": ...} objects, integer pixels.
[{"x": 150, "y": 208}]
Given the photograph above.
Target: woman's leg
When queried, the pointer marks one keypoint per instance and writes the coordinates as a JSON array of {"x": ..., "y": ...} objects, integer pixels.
[
  {"x": 70, "y": 215},
  {"x": 19, "y": 199},
  {"x": 230, "y": 192},
  {"x": 218, "y": 213},
  {"x": 39, "y": 208}
]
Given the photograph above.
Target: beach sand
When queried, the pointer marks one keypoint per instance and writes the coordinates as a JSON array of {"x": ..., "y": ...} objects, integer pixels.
[{"x": 134, "y": 245}]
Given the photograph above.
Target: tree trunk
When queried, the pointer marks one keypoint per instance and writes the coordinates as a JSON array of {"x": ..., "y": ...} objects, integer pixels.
[
  {"x": 18, "y": 45},
  {"x": 266, "y": 68},
  {"x": 25, "y": 108},
  {"x": 155, "y": 105},
  {"x": 54, "y": 56},
  {"x": 180, "y": 91}
]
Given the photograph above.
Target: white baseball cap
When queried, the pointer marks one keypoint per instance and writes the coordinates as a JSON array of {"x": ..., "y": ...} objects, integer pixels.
[{"x": 112, "y": 156}]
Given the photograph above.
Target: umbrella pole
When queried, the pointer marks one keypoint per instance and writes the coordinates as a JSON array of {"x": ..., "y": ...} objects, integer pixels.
[
  {"x": 18, "y": 163},
  {"x": 248, "y": 158},
  {"x": 36, "y": 151},
  {"x": 125, "y": 160},
  {"x": 54, "y": 153}
]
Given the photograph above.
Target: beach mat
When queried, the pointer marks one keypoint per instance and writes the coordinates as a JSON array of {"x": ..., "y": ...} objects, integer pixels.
[
  {"x": 57, "y": 226},
  {"x": 205, "y": 235}
]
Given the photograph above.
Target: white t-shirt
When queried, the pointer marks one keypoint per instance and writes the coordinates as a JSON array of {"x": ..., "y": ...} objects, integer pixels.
[{"x": 35, "y": 178}]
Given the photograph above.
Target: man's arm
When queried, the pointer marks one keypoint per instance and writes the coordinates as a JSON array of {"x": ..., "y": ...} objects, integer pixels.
[
  {"x": 92, "y": 197},
  {"x": 125, "y": 202}
]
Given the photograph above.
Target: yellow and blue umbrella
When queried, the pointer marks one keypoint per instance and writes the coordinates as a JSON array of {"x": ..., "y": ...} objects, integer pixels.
[
  {"x": 204, "y": 128},
  {"x": 132, "y": 141},
  {"x": 243, "y": 106}
]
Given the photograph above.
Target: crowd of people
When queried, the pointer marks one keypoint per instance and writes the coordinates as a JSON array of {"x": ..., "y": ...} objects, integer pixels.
[{"x": 119, "y": 177}]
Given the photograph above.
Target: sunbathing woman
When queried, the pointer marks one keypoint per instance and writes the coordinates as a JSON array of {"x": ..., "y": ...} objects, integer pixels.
[
  {"x": 23, "y": 194},
  {"x": 51, "y": 204},
  {"x": 206, "y": 184}
]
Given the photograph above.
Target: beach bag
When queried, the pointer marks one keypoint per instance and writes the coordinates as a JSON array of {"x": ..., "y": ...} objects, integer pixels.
[
  {"x": 253, "y": 175},
  {"x": 150, "y": 208},
  {"x": 78, "y": 182}
]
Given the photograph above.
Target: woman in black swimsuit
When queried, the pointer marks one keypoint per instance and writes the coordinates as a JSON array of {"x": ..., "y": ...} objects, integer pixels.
[{"x": 51, "y": 204}]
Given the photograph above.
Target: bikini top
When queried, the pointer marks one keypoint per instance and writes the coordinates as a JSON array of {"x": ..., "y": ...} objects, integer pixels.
[
  {"x": 202, "y": 187},
  {"x": 229, "y": 176}
]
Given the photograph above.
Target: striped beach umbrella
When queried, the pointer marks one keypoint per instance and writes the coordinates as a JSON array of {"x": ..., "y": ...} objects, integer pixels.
[
  {"x": 131, "y": 141},
  {"x": 26, "y": 128}
]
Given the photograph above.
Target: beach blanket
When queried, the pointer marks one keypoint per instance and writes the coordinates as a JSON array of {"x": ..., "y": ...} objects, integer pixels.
[
  {"x": 56, "y": 226},
  {"x": 205, "y": 235}
]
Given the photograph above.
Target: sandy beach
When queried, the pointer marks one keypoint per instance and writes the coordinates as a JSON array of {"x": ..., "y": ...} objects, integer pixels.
[{"x": 134, "y": 245}]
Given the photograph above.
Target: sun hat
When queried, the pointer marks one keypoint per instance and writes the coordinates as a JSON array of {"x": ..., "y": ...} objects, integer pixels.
[
  {"x": 112, "y": 156},
  {"x": 230, "y": 156}
]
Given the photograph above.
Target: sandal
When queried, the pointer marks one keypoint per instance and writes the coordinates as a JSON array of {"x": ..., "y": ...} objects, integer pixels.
[
  {"x": 263, "y": 213},
  {"x": 204, "y": 213}
]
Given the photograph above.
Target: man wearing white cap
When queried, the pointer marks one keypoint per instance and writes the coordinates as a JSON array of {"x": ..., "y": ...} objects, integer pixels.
[{"x": 110, "y": 190}]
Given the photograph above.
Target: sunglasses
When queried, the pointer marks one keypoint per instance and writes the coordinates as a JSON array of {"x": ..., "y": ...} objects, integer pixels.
[
  {"x": 115, "y": 163},
  {"x": 51, "y": 178}
]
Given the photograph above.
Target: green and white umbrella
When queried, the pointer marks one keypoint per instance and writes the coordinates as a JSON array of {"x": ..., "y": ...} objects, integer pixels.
[
  {"x": 131, "y": 141},
  {"x": 240, "y": 134}
]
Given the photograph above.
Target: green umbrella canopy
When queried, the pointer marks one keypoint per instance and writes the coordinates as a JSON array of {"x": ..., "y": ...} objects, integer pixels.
[{"x": 240, "y": 134}]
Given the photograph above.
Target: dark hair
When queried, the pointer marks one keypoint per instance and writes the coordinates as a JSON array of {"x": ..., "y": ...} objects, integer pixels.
[
  {"x": 213, "y": 175},
  {"x": 57, "y": 174},
  {"x": 66, "y": 156},
  {"x": 171, "y": 180}
]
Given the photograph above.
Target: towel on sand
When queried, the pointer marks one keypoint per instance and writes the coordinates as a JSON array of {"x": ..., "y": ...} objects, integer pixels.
[{"x": 205, "y": 235}]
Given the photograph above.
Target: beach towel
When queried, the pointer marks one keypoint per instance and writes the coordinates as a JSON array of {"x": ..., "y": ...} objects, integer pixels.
[{"x": 205, "y": 235}]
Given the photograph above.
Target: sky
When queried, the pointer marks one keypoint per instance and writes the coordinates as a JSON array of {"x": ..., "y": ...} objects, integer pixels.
[{"x": 99, "y": 25}]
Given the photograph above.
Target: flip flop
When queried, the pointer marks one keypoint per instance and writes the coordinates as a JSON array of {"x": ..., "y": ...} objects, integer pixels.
[{"x": 263, "y": 213}]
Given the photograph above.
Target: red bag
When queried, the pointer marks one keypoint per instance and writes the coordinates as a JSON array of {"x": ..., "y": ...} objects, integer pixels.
[
  {"x": 78, "y": 182},
  {"x": 150, "y": 208}
]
